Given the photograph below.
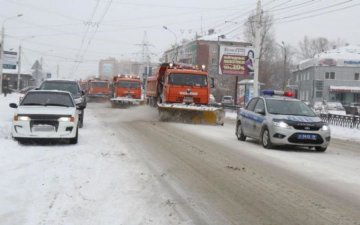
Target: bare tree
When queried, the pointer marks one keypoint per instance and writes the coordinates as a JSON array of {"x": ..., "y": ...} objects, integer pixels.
[
  {"x": 309, "y": 47},
  {"x": 267, "y": 34},
  {"x": 268, "y": 49}
]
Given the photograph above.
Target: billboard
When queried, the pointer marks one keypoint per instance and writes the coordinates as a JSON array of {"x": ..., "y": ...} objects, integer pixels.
[
  {"x": 10, "y": 60},
  {"x": 107, "y": 69},
  {"x": 237, "y": 61}
]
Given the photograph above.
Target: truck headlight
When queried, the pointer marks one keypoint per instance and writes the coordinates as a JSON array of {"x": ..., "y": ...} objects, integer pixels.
[
  {"x": 325, "y": 128},
  {"x": 281, "y": 124},
  {"x": 21, "y": 118},
  {"x": 66, "y": 119}
]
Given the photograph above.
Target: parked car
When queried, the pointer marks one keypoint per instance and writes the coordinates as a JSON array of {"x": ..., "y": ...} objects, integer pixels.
[
  {"x": 46, "y": 115},
  {"x": 335, "y": 108},
  {"x": 227, "y": 100},
  {"x": 279, "y": 120},
  {"x": 71, "y": 86}
]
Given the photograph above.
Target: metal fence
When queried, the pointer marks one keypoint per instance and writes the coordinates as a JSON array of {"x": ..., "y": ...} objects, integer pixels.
[{"x": 350, "y": 121}]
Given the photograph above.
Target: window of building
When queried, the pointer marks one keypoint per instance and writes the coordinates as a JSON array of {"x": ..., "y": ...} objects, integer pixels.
[
  {"x": 214, "y": 61},
  {"x": 330, "y": 75},
  {"x": 319, "y": 94},
  {"x": 356, "y": 76}
]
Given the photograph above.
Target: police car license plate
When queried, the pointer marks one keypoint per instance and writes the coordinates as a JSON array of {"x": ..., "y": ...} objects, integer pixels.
[{"x": 306, "y": 137}]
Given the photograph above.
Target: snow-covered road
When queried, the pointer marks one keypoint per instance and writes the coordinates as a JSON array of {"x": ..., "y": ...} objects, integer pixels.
[{"x": 128, "y": 168}]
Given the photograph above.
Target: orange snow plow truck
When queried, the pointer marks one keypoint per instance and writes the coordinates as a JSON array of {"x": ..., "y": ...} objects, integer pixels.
[
  {"x": 98, "y": 89},
  {"x": 126, "y": 91},
  {"x": 182, "y": 93}
]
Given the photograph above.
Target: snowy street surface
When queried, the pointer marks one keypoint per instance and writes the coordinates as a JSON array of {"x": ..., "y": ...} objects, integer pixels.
[{"x": 129, "y": 168}]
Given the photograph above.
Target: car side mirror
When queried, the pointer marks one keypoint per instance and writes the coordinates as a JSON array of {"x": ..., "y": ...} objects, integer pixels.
[
  {"x": 82, "y": 92},
  {"x": 212, "y": 82},
  {"x": 13, "y": 105}
]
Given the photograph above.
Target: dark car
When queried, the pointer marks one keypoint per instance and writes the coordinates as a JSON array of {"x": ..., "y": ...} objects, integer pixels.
[{"x": 74, "y": 88}]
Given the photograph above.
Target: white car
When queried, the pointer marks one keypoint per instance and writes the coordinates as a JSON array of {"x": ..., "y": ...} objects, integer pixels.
[
  {"x": 46, "y": 115},
  {"x": 227, "y": 100}
]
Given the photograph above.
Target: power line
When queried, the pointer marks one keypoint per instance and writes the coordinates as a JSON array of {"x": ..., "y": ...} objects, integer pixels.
[
  {"x": 319, "y": 14},
  {"x": 314, "y": 10}
]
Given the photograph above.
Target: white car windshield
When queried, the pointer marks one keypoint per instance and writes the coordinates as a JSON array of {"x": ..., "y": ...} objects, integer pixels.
[{"x": 48, "y": 99}]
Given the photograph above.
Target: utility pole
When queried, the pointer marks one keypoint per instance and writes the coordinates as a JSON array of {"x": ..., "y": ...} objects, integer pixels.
[
  {"x": 57, "y": 71},
  {"x": 1, "y": 57},
  {"x": 257, "y": 48},
  {"x": 2, "y": 48},
  {"x": 19, "y": 69}
]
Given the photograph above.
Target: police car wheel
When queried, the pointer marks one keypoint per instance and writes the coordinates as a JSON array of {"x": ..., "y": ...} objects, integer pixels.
[
  {"x": 265, "y": 139},
  {"x": 239, "y": 133},
  {"x": 320, "y": 149}
]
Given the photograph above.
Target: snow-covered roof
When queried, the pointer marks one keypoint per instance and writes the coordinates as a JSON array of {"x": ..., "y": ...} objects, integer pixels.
[
  {"x": 11, "y": 71},
  {"x": 350, "y": 52},
  {"x": 348, "y": 56},
  {"x": 345, "y": 89}
]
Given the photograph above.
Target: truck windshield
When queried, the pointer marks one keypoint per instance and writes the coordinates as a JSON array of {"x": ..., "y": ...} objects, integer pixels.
[
  {"x": 99, "y": 84},
  {"x": 288, "y": 107},
  {"x": 128, "y": 84},
  {"x": 188, "y": 80}
]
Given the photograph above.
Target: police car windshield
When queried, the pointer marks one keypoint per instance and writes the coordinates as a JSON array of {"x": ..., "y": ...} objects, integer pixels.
[{"x": 288, "y": 107}]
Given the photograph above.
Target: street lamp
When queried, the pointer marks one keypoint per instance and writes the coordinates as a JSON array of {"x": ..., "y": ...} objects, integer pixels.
[
  {"x": 2, "y": 47},
  {"x": 284, "y": 78},
  {"x": 176, "y": 45}
]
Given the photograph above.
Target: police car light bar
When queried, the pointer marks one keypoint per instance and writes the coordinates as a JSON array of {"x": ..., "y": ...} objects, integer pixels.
[{"x": 276, "y": 92}]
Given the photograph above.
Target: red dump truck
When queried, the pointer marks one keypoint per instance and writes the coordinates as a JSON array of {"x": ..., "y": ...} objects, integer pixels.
[
  {"x": 182, "y": 93},
  {"x": 126, "y": 90},
  {"x": 98, "y": 90}
]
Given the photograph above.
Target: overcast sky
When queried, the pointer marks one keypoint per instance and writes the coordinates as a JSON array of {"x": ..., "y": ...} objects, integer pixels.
[{"x": 75, "y": 34}]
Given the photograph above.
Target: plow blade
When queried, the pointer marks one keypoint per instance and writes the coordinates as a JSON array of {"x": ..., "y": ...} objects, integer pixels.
[
  {"x": 122, "y": 102},
  {"x": 191, "y": 114}
]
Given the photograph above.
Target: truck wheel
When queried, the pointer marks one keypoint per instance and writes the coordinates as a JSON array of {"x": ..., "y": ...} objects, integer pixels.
[
  {"x": 239, "y": 133},
  {"x": 265, "y": 139}
]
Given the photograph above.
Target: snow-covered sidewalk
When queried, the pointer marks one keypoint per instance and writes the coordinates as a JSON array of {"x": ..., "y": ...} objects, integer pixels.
[{"x": 97, "y": 181}]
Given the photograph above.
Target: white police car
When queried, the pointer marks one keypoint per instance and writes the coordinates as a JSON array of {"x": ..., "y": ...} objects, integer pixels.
[{"x": 277, "y": 119}]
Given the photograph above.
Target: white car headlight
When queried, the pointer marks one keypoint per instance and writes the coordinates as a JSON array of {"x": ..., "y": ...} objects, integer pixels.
[
  {"x": 325, "y": 128},
  {"x": 21, "y": 118},
  {"x": 282, "y": 124},
  {"x": 66, "y": 119}
]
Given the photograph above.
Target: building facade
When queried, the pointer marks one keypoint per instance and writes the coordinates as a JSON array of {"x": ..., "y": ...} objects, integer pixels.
[
  {"x": 329, "y": 76},
  {"x": 11, "y": 78}
]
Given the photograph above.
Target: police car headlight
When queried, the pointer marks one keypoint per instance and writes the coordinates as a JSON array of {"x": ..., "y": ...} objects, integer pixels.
[
  {"x": 281, "y": 124},
  {"x": 325, "y": 128},
  {"x": 21, "y": 118}
]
